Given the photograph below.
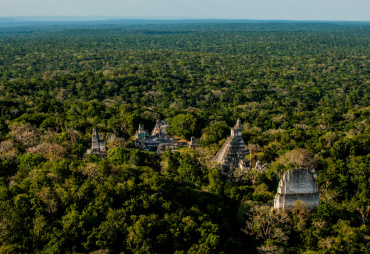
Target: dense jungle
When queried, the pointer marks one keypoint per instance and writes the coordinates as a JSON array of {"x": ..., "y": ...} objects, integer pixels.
[{"x": 301, "y": 90}]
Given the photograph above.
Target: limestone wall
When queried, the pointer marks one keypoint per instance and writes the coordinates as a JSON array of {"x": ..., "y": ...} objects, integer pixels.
[
  {"x": 297, "y": 184},
  {"x": 297, "y": 181}
]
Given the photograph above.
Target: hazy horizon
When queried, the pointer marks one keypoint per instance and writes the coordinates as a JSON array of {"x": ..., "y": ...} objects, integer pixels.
[
  {"x": 290, "y": 10},
  {"x": 147, "y": 18}
]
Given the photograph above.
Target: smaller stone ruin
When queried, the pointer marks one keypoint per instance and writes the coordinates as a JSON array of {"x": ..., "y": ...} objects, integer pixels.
[
  {"x": 141, "y": 132},
  {"x": 159, "y": 140},
  {"x": 244, "y": 165},
  {"x": 160, "y": 128},
  {"x": 297, "y": 184},
  {"x": 193, "y": 143},
  {"x": 163, "y": 148},
  {"x": 260, "y": 167},
  {"x": 98, "y": 147}
]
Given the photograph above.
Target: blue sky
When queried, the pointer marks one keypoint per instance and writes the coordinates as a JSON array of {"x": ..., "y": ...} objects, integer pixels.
[{"x": 357, "y": 10}]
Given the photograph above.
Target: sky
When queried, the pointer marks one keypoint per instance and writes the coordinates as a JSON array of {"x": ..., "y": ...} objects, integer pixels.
[{"x": 351, "y": 10}]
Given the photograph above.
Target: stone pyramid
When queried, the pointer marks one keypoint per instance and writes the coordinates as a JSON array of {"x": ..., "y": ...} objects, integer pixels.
[
  {"x": 234, "y": 149},
  {"x": 98, "y": 147}
]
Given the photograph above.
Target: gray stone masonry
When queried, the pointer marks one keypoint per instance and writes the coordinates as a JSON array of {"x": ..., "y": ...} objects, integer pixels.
[
  {"x": 158, "y": 141},
  {"x": 160, "y": 128},
  {"x": 233, "y": 151},
  {"x": 297, "y": 184},
  {"x": 193, "y": 142},
  {"x": 98, "y": 147}
]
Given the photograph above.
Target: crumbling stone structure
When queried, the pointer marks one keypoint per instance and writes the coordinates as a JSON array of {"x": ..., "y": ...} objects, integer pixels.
[
  {"x": 98, "y": 147},
  {"x": 164, "y": 146},
  {"x": 233, "y": 151},
  {"x": 244, "y": 165},
  {"x": 158, "y": 141},
  {"x": 297, "y": 184},
  {"x": 193, "y": 142},
  {"x": 141, "y": 132},
  {"x": 260, "y": 167},
  {"x": 160, "y": 128}
]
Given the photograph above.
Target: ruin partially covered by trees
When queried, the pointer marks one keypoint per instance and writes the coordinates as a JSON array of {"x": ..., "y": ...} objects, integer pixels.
[{"x": 179, "y": 137}]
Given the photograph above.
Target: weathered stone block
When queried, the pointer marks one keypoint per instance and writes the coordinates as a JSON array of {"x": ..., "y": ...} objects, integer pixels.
[{"x": 297, "y": 184}]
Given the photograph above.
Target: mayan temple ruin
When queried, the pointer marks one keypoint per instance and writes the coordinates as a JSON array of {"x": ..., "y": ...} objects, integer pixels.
[
  {"x": 297, "y": 184},
  {"x": 159, "y": 141},
  {"x": 98, "y": 147},
  {"x": 233, "y": 151},
  {"x": 160, "y": 128}
]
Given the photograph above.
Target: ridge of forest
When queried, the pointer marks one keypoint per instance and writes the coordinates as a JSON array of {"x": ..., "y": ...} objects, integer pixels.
[{"x": 301, "y": 90}]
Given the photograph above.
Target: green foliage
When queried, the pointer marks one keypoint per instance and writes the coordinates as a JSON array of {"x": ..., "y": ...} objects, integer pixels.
[
  {"x": 299, "y": 89},
  {"x": 216, "y": 181},
  {"x": 190, "y": 169},
  {"x": 183, "y": 125},
  {"x": 29, "y": 161},
  {"x": 118, "y": 156},
  {"x": 214, "y": 132}
]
